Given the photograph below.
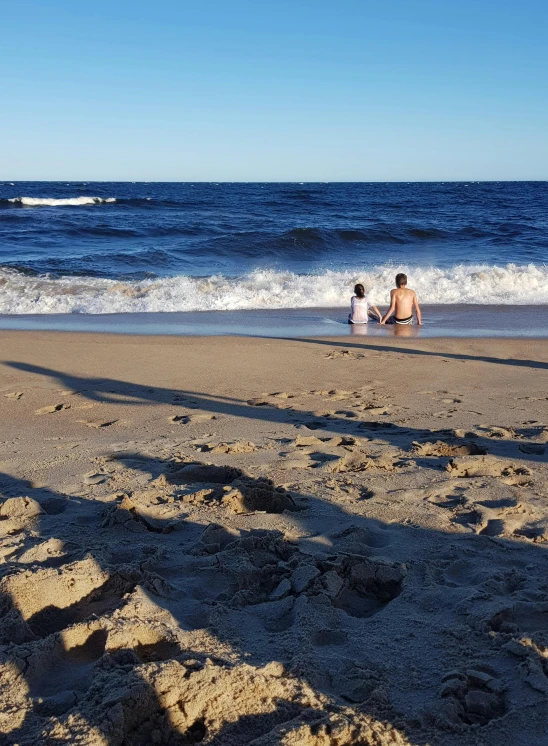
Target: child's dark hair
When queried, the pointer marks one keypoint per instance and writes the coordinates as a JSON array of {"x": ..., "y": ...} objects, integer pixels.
[
  {"x": 359, "y": 291},
  {"x": 401, "y": 280}
]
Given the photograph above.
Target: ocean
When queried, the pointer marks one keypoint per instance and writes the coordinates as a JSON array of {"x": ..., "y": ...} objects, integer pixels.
[{"x": 151, "y": 257}]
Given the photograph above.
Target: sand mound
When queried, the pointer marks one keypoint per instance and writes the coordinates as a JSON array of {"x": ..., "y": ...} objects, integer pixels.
[
  {"x": 249, "y": 495},
  {"x": 20, "y": 509},
  {"x": 442, "y": 448},
  {"x": 483, "y": 466}
]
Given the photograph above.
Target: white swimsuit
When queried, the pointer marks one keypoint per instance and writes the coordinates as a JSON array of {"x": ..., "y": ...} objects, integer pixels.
[{"x": 358, "y": 310}]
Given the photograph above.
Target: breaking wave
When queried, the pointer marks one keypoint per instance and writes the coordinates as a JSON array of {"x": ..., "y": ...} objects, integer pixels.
[
  {"x": 21, "y": 293},
  {"x": 64, "y": 202}
]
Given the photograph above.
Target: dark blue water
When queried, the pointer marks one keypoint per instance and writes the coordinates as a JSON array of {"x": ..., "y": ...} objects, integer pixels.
[{"x": 185, "y": 247}]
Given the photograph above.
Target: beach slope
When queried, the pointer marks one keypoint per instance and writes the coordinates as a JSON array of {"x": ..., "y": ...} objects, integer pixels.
[{"x": 264, "y": 541}]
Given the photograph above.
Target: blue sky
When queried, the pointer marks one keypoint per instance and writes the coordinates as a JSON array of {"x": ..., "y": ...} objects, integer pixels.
[{"x": 307, "y": 90}]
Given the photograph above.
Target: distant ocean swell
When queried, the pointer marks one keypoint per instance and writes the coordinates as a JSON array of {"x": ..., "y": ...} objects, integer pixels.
[{"x": 24, "y": 293}]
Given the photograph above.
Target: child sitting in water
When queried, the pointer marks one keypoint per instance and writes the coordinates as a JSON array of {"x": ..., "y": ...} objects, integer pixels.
[
  {"x": 361, "y": 310},
  {"x": 403, "y": 302}
]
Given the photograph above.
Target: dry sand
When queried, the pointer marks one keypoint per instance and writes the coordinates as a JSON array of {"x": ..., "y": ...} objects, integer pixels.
[{"x": 248, "y": 541}]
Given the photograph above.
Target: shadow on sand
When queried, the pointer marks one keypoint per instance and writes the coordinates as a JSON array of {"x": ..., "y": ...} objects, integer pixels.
[
  {"x": 403, "y": 350},
  {"x": 427, "y": 631}
]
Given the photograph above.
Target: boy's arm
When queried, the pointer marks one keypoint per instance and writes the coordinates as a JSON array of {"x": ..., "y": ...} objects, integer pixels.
[
  {"x": 417, "y": 309},
  {"x": 391, "y": 309}
]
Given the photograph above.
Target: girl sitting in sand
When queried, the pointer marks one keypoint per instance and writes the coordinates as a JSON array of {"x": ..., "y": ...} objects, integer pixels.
[{"x": 361, "y": 310}]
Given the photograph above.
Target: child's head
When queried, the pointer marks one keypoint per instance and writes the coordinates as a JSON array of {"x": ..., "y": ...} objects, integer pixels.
[
  {"x": 401, "y": 280},
  {"x": 359, "y": 291}
]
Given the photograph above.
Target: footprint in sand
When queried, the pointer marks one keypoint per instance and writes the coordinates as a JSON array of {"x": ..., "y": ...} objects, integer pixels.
[
  {"x": 523, "y": 617},
  {"x": 51, "y": 408},
  {"x": 494, "y": 516},
  {"x": 97, "y": 424},
  {"x": 373, "y": 409},
  {"x": 465, "y": 573},
  {"x": 95, "y": 478},
  {"x": 524, "y": 626},
  {"x": 361, "y": 541},
  {"x": 473, "y": 697},
  {"x": 129, "y": 514},
  {"x": 447, "y": 496},
  {"x": 50, "y": 553},
  {"x": 338, "y": 395},
  {"x": 353, "y": 461},
  {"x": 56, "y": 672},
  {"x": 48, "y": 600},
  {"x": 288, "y": 464},
  {"x": 518, "y": 481},
  {"x": 358, "y": 492},
  {"x": 537, "y": 532},
  {"x": 187, "y": 419},
  {"x": 15, "y": 395},
  {"x": 534, "y": 449},
  {"x": 377, "y": 425},
  {"x": 237, "y": 446},
  {"x": 305, "y": 441},
  {"x": 258, "y": 402},
  {"x": 347, "y": 354},
  {"x": 357, "y": 585},
  {"x": 346, "y": 413},
  {"x": 504, "y": 433}
]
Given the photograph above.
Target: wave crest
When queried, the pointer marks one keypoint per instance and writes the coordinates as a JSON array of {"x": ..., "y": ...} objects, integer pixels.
[
  {"x": 268, "y": 289},
  {"x": 63, "y": 202}
]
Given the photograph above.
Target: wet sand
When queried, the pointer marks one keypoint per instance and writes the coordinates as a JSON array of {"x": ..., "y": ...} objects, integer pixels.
[
  {"x": 439, "y": 321},
  {"x": 235, "y": 541}
]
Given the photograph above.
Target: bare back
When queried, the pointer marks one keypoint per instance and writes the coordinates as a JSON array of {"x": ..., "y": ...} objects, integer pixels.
[{"x": 403, "y": 300}]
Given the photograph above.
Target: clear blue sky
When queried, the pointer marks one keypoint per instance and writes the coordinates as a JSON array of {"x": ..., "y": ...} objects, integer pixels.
[{"x": 281, "y": 90}]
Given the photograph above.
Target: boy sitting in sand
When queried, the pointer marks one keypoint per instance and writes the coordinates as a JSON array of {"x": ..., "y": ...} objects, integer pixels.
[
  {"x": 361, "y": 310},
  {"x": 403, "y": 302}
]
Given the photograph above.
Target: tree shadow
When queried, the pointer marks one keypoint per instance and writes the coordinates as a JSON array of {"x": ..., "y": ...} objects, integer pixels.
[
  {"x": 365, "y": 580},
  {"x": 115, "y": 392},
  {"x": 69, "y": 642}
]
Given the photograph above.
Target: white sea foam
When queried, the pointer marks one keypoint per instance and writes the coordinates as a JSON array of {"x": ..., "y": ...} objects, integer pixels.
[
  {"x": 508, "y": 285},
  {"x": 50, "y": 202}
]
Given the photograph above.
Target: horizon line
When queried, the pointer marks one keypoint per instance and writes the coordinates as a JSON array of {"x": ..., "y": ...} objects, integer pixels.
[{"x": 10, "y": 182}]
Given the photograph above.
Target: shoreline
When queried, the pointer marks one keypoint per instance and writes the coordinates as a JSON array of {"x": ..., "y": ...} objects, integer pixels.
[{"x": 439, "y": 321}]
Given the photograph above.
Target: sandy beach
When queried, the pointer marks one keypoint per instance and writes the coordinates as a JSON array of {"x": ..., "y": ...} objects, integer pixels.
[{"x": 301, "y": 542}]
